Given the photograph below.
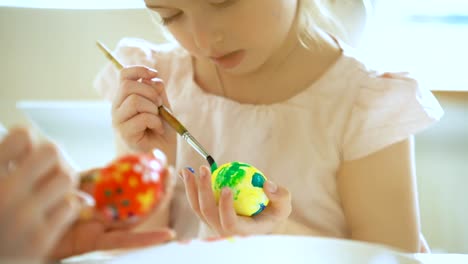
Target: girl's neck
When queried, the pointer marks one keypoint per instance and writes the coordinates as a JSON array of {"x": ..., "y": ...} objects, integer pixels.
[{"x": 293, "y": 69}]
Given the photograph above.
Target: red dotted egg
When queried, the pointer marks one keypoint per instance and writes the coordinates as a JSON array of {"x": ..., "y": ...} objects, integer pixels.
[{"x": 130, "y": 187}]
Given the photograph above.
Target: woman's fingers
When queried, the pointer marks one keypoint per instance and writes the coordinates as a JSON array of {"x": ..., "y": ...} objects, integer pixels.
[
  {"x": 15, "y": 147},
  {"x": 29, "y": 214},
  {"x": 126, "y": 239},
  {"x": 52, "y": 190},
  {"x": 18, "y": 224},
  {"x": 26, "y": 174},
  {"x": 61, "y": 216},
  {"x": 32, "y": 195}
]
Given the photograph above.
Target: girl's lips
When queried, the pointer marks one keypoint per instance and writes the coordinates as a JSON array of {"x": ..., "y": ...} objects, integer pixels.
[{"x": 229, "y": 60}]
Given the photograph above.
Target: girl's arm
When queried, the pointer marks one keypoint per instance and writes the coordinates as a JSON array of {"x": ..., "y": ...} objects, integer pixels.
[{"x": 379, "y": 197}]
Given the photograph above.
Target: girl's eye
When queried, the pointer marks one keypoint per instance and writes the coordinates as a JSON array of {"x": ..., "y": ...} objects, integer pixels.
[{"x": 168, "y": 20}]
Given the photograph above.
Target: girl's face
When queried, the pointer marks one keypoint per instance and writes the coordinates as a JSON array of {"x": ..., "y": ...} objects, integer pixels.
[{"x": 237, "y": 35}]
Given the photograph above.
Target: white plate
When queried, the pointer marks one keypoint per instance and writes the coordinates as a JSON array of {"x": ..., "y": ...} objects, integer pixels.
[
  {"x": 256, "y": 249},
  {"x": 82, "y": 128}
]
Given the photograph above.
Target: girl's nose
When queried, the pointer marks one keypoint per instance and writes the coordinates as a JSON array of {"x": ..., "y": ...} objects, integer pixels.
[{"x": 206, "y": 34}]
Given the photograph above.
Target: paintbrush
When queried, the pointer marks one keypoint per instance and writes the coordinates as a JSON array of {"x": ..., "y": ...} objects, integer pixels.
[{"x": 167, "y": 116}]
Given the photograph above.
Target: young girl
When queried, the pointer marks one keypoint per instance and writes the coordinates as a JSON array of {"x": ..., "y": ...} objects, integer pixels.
[{"x": 264, "y": 82}]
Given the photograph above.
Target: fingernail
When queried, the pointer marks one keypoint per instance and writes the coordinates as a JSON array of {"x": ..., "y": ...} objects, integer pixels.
[
  {"x": 84, "y": 199},
  {"x": 271, "y": 187},
  {"x": 190, "y": 169},
  {"x": 203, "y": 172},
  {"x": 226, "y": 191},
  {"x": 152, "y": 71}
]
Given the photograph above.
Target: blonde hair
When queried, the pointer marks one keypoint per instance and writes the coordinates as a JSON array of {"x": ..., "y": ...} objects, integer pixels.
[
  {"x": 317, "y": 14},
  {"x": 312, "y": 14}
]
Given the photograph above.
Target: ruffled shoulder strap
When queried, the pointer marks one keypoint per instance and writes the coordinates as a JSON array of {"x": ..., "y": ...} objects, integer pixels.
[{"x": 388, "y": 108}]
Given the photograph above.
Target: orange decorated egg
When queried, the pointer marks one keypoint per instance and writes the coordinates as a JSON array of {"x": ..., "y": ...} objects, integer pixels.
[{"x": 130, "y": 187}]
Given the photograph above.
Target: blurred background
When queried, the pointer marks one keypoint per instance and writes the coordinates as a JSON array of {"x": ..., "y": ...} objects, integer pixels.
[{"x": 49, "y": 60}]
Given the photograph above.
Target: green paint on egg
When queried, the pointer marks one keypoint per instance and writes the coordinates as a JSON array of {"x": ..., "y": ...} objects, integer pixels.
[
  {"x": 246, "y": 183},
  {"x": 258, "y": 180},
  {"x": 230, "y": 176},
  {"x": 236, "y": 195}
]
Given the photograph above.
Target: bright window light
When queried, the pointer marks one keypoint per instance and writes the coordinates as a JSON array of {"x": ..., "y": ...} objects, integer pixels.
[
  {"x": 429, "y": 38},
  {"x": 78, "y": 4}
]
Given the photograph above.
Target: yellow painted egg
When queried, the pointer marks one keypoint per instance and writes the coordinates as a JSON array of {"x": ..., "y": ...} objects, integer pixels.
[{"x": 246, "y": 183}]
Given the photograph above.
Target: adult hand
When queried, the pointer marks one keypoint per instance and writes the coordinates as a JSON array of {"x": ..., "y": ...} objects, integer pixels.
[{"x": 35, "y": 202}]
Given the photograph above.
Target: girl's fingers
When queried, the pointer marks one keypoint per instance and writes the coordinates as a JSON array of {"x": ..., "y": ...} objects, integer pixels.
[
  {"x": 143, "y": 89},
  {"x": 191, "y": 191},
  {"x": 161, "y": 89},
  {"x": 208, "y": 207},
  {"x": 134, "y": 129},
  {"x": 137, "y": 72},
  {"x": 280, "y": 200},
  {"x": 133, "y": 105},
  {"x": 227, "y": 214}
]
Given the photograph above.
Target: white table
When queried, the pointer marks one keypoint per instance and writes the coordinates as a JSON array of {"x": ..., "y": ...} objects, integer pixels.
[{"x": 267, "y": 249}]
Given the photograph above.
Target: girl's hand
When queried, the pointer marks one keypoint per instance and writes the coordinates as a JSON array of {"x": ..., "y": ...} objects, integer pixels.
[
  {"x": 135, "y": 113},
  {"x": 222, "y": 218},
  {"x": 35, "y": 202}
]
